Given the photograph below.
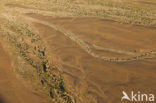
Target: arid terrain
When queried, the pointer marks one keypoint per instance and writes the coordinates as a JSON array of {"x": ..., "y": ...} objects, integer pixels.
[{"x": 76, "y": 51}]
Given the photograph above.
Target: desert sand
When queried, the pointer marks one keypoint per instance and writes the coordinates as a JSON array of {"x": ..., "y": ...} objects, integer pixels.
[
  {"x": 12, "y": 90},
  {"x": 92, "y": 76},
  {"x": 98, "y": 58}
]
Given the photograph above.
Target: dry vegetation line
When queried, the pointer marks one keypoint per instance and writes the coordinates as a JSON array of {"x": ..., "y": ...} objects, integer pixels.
[
  {"x": 113, "y": 50},
  {"x": 81, "y": 43},
  {"x": 54, "y": 83},
  {"x": 37, "y": 11},
  {"x": 86, "y": 47}
]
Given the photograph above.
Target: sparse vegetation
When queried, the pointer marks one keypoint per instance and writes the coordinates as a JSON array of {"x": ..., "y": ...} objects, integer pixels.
[
  {"x": 34, "y": 53},
  {"x": 21, "y": 35},
  {"x": 123, "y": 12}
]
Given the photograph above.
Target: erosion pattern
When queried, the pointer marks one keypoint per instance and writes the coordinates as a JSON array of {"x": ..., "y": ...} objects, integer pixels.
[
  {"x": 98, "y": 58},
  {"x": 11, "y": 86}
]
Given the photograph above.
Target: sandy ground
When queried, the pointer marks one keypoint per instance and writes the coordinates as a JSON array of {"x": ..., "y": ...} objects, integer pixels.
[
  {"x": 84, "y": 47},
  {"x": 93, "y": 77},
  {"x": 12, "y": 89}
]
